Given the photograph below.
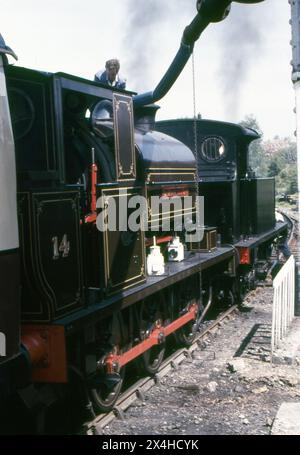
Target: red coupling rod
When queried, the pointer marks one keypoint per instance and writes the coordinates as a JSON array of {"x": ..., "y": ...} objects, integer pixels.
[{"x": 113, "y": 362}]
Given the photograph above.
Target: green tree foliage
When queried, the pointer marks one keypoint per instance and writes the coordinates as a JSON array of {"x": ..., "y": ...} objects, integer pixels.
[
  {"x": 283, "y": 166},
  {"x": 276, "y": 158},
  {"x": 274, "y": 168},
  {"x": 257, "y": 158}
]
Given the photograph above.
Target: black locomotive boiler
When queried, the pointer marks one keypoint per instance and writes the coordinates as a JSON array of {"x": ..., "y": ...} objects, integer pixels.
[{"x": 77, "y": 305}]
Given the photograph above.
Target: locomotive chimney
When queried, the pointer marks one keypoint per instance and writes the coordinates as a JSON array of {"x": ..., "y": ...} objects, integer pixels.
[
  {"x": 144, "y": 117},
  {"x": 208, "y": 11}
]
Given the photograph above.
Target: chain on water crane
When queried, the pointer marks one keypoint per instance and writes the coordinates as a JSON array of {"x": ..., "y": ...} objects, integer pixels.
[
  {"x": 195, "y": 119},
  {"x": 196, "y": 156}
]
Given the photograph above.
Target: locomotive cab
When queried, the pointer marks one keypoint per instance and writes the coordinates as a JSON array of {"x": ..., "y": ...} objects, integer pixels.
[{"x": 58, "y": 120}]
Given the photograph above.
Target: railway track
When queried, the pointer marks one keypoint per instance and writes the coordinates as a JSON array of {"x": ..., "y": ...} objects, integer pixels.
[
  {"x": 138, "y": 390},
  {"x": 293, "y": 222},
  {"x": 294, "y": 241}
]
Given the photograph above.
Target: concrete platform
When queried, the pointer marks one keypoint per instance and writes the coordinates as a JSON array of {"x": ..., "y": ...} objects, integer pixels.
[
  {"x": 287, "y": 420},
  {"x": 289, "y": 349}
]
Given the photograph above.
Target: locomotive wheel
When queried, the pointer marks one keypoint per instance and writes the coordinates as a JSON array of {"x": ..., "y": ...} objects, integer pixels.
[
  {"x": 153, "y": 358},
  {"x": 106, "y": 394},
  {"x": 185, "y": 295},
  {"x": 187, "y": 334},
  {"x": 105, "y": 388},
  {"x": 151, "y": 314}
]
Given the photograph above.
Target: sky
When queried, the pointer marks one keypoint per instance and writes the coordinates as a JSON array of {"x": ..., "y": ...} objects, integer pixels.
[{"x": 242, "y": 65}]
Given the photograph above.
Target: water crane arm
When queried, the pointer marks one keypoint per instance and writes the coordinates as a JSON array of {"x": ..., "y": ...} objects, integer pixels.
[{"x": 208, "y": 11}]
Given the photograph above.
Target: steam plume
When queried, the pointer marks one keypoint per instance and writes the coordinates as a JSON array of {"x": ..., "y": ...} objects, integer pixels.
[
  {"x": 241, "y": 42},
  {"x": 141, "y": 40}
]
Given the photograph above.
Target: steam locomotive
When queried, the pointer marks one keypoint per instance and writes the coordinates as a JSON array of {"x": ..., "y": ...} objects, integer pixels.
[{"x": 78, "y": 304}]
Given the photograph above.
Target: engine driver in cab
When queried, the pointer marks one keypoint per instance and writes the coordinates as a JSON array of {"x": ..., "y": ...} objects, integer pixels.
[{"x": 111, "y": 75}]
